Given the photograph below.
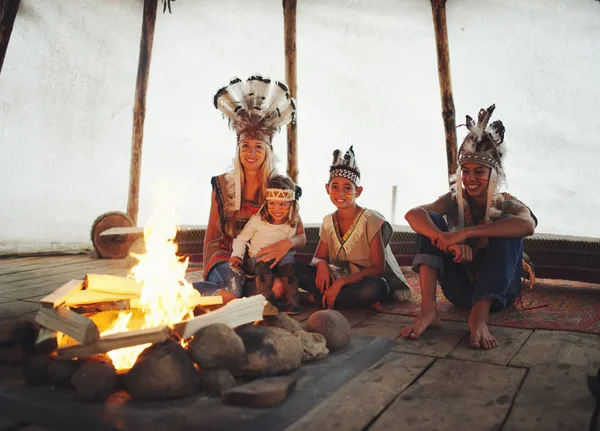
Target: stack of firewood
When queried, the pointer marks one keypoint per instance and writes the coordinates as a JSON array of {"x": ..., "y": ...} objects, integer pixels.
[{"x": 74, "y": 316}]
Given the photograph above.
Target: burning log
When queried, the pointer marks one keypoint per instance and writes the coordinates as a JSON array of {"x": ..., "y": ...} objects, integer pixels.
[
  {"x": 116, "y": 341},
  {"x": 84, "y": 297},
  {"x": 112, "y": 284},
  {"x": 235, "y": 313},
  {"x": 80, "y": 328}
]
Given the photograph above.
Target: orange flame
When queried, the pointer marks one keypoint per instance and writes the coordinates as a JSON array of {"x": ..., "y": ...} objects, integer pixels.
[{"x": 166, "y": 294}]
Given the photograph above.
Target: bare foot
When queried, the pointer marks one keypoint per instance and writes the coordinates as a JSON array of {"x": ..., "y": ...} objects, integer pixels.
[
  {"x": 480, "y": 334},
  {"x": 427, "y": 317}
]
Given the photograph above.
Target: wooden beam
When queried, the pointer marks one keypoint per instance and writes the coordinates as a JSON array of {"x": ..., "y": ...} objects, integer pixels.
[
  {"x": 8, "y": 13},
  {"x": 438, "y": 8},
  {"x": 139, "y": 108},
  {"x": 116, "y": 341},
  {"x": 78, "y": 327},
  {"x": 289, "y": 26}
]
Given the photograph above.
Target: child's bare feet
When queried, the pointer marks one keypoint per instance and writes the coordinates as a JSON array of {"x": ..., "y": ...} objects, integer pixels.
[
  {"x": 427, "y": 317},
  {"x": 480, "y": 334}
]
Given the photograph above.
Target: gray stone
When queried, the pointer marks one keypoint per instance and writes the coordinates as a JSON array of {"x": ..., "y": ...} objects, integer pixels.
[
  {"x": 11, "y": 354},
  {"x": 332, "y": 325},
  {"x": 18, "y": 332},
  {"x": 216, "y": 381},
  {"x": 217, "y": 346},
  {"x": 35, "y": 370},
  {"x": 262, "y": 392},
  {"x": 283, "y": 321},
  {"x": 61, "y": 372},
  {"x": 95, "y": 381},
  {"x": 270, "y": 351},
  {"x": 314, "y": 345},
  {"x": 163, "y": 370}
]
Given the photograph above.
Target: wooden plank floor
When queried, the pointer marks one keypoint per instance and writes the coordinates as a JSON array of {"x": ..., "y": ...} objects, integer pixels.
[{"x": 535, "y": 379}]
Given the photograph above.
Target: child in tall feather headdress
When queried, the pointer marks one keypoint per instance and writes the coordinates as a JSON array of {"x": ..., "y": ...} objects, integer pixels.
[{"x": 353, "y": 265}]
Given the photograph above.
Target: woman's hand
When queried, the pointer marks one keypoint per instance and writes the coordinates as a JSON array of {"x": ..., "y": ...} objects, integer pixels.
[
  {"x": 274, "y": 252},
  {"x": 462, "y": 253},
  {"x": 332, "y": 293},
  {"x": 324, "y": 276},
  {"x": 443, "y": 240},
  {"x": 235, "y": 262}
]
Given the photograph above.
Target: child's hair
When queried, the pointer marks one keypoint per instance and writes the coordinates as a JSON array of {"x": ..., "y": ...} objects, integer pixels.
[{"x": 284, "y": 183}]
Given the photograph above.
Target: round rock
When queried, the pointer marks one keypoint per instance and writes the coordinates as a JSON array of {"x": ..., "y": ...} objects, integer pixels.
[
  {"x": 332, "y": 325},
  {"x": 163, "y": 370},
  {"x": 216, "y": 381},
  {"x": 94, "y": 381},
  {"x": 217, "y": 346}
]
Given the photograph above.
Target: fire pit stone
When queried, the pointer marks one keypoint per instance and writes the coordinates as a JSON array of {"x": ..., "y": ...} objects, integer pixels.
[
  {"x": 271, "y": 351},
  {"x": 214, "y": 382},
  {"x": 314, "y": 345},
  {"x": 95, "y": 380},
  {"x": 163, "y": 370},
  {"x": 217, "y": 346},
  {"x": 332, "y": 325},
  {"x": 282, "y": 321}
]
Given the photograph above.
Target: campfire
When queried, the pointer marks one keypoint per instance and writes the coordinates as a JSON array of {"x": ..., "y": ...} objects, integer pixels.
[{"x": 165, "y": 339}]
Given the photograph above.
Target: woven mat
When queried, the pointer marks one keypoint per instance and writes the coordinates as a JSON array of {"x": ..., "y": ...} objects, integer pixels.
[{"x": 571, "y": 306}]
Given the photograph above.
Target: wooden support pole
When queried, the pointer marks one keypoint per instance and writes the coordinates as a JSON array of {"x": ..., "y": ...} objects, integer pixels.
[
  {"x": 139, "y": 107},
  {"x": 8, "y": 13},
  {"x": 289, "y": 25},
  {"x": 438, "y": 8}
]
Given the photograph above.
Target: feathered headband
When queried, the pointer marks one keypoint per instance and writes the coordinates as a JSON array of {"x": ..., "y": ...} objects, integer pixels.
[
  {"x": 483, "y": 146},
  {"x": 345, "y": 166},
  {"x": 257, "y": 108}
]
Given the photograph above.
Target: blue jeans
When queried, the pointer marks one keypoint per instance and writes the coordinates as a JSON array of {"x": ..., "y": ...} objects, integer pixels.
[
  {"x": 363, "y": 293},
  {"x": 221, "y": 277},
  {"x": 498, "y": 279}
]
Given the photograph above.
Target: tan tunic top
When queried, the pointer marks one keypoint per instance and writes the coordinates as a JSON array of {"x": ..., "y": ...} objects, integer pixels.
[{"x": 352, "y": 253}]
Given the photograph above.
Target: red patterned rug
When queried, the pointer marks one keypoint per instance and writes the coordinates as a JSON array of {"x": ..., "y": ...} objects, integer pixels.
[{"x": 571, "y": 306}]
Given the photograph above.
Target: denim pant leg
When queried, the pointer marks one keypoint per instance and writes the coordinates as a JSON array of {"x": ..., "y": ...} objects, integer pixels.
[
  {"x": 287, "y": 259},
  {"x": 221, "y": 277},
  {"x": 452, "y": 276},
  {"x": 500, "y": 277}
]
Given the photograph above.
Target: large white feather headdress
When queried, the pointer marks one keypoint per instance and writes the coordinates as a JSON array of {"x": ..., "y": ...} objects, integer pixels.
[
  {"x": 484, "y": 146},
  {"x": 257, "y": 108}
]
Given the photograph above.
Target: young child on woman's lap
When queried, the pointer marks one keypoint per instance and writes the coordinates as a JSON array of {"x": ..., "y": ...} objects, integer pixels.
[{"x": 276, "y": 221}]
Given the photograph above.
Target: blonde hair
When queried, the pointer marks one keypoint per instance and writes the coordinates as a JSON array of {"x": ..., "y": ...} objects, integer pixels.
[{"x": 284, "y": 183}]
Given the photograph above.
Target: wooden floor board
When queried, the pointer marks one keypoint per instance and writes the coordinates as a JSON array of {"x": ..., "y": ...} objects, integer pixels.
[
  {"x": 45, "y": 263},
  {"x": 86, "y": 266}
]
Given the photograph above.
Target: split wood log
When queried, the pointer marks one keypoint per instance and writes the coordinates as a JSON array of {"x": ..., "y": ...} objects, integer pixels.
[
  {"x": 80, "y": 328},
  {"x": 235, "y": 313},
  {"x": 84, "y": 297},
  {"x": 47, "y": 341},
  {"x": 112, "y": 284},
  {"x": 116, "y": 246},
  {"x": 289, "y": 24},
  {"x": 116, "y": 341},
  {"x": 58, "y": 297}
]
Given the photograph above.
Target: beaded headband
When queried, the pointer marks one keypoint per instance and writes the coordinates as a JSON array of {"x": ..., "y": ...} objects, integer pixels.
[
  {"x": 345, "y": 166},
  {"x": 281, "y": 195}
]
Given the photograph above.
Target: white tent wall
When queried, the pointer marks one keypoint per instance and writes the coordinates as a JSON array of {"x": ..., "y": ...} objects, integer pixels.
[{"x": 367, "y": 76}]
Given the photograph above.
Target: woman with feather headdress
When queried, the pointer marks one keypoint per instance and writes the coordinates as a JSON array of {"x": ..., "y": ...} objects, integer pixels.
[
  {"x": 256, "y": 110},
  {"x": 477, "y": 254}
]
